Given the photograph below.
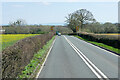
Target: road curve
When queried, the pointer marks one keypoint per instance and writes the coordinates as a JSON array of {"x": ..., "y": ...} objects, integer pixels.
[{"x": 64, "y": 62}]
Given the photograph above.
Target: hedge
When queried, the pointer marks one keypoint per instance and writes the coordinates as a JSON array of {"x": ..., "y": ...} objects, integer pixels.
[{"x": 17, "y": 56}]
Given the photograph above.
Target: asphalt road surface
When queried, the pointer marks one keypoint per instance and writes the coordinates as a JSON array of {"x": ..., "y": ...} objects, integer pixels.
[{"x": 71, "y": 57}]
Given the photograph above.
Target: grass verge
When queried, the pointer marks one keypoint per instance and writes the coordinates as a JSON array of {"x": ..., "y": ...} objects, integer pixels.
[
  {"x": 110, "y": 48},
  {"x": 33, "y": 67}
]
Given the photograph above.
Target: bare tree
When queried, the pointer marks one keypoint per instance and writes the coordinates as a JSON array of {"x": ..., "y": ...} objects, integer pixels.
[
  {"x": 72, "y": 23},
  {"x": 18, "y": 23},
  {"x": 79, "y": 18}
]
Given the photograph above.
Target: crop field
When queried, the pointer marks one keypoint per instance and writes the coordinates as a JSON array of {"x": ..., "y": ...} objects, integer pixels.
[
  {"x": 10, "y": 39},
  {"x": 112, "y": 35},
  {"x": 108, "y": 34}
]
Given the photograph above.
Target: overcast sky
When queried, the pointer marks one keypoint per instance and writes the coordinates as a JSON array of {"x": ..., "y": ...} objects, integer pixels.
[{"x": 55, "y": 12}]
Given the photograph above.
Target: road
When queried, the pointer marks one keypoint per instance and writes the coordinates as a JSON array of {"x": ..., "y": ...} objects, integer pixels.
[{"x": 71, "y": 57}]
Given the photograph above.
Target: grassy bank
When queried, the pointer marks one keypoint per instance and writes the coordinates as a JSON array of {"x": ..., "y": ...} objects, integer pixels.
[
  {"x": 33, "y": 67},
  {"x": 101, "y": 45}
]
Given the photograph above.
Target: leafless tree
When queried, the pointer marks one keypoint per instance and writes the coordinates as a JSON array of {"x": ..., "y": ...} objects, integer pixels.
[
  {"x": 18, "y": 23},
  {"x": 79, "y": 18}
]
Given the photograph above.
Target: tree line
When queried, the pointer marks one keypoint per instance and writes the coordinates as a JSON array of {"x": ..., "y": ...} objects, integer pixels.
[
  {"x": 20, "y": 27},
  {"x": 86, "y": 22}
]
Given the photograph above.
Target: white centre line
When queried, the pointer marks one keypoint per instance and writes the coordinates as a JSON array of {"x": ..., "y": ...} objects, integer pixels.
[
  {"x": 95, "y": 70},
  {"x": 95, "y": 46}
]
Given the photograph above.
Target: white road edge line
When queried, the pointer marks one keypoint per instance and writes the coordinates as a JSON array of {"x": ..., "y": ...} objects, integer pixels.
[
  {"x": 97, "y": 47},
  {"x": 83, "y": 58},
  {"x": 45, "y": 59}
]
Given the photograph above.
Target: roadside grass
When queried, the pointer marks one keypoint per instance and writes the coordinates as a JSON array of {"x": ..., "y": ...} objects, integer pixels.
[
  {"x": 38, "y": 58},
  {"x": 101, "y": 45},
  {"x": 9, "y": 39}
]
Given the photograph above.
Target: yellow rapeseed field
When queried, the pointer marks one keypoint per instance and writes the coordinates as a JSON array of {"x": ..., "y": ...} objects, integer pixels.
[
  {"x": 108, "y": 34},
  {"x": 9, "y": 39}
]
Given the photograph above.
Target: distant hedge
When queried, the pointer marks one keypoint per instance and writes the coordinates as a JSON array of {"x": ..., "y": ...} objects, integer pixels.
[
  {"x": 111, "y": 40},
  {"x": 16, "y": 57}
]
